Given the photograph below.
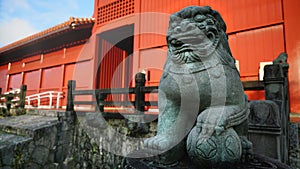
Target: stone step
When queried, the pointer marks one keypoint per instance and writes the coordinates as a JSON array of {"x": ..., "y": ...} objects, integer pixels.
[
  {"x": 26, "y": 125},
  {"x": 8, "y": 144},
  {"x": 43, "y": 112},
  {"x": 32, "y": 141},
  {"x": 7, "y": 139}
]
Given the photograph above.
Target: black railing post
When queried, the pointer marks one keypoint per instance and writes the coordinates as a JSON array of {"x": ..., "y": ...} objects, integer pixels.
[
  {"x": 136, "y": 123},
  {"x": 101, "y": 98},
  {"x": 140, "y": 81},
  {"x": 70, "y": 96},
  {"x": 0, "y": 91},
  {"x": 8, "y": 98},
  {"x": 23, "y": 89}
]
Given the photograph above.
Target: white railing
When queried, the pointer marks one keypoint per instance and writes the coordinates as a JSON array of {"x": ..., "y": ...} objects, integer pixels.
[{"x": 51, "y": 95}]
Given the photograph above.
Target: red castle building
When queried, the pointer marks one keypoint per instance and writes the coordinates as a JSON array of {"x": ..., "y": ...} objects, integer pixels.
[{"x": 124, "y": 37}]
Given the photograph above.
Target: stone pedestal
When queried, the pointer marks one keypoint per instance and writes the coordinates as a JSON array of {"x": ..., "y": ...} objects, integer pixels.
[{"x": 258, "y": 162}]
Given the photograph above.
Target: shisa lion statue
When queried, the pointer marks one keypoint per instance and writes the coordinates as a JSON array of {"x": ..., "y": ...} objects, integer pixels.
[{"x": 202, "y": 105}]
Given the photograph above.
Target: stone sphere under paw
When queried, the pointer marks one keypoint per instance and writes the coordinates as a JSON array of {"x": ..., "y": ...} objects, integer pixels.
[{"x": 215, "y": 149}]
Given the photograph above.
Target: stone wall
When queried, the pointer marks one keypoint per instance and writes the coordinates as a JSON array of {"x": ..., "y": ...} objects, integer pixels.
[
  {"x": 63, "y": 142},
  {"x": 103, "y": 143},
  {"x": 29, "y": 142},
  {"x": 42, "y": 142},
  {"x": 294, "y": 149}
]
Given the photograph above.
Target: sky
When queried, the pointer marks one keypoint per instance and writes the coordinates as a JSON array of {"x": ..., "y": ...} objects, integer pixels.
[{"x": 21, "y": 18}]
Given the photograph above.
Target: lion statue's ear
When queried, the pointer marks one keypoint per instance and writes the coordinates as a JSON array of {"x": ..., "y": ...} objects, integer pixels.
[{"x": 218, "y": 17}]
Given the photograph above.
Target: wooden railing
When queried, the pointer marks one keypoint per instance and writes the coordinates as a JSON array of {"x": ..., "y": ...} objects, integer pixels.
[
  {"x": 275, "y": 87},
  {"x": 137, "y": 104},
  {"x": 275, "y": 77},
  {"x": 253, "y": 85},
  {"x": 100, "y": 96}
]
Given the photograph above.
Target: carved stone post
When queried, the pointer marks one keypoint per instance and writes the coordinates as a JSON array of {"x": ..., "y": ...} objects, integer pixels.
[{"x": 276, "y": 90}]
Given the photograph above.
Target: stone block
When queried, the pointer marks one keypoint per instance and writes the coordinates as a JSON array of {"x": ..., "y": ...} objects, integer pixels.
[
  {"x": 51, "y": 166},
  {"x": 7, "y": 156},
  {"x": 59, "y": 154},
  {"x": 40, "y": 155},
  {"x": 33, "y": 165},
  {"x": 265, "y": 128}
]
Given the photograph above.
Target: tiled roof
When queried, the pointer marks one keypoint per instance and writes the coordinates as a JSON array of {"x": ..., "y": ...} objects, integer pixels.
[{"x": 72, "y": 23}]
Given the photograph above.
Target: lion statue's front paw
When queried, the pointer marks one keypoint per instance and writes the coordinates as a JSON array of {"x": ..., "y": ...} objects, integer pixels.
[
  {"x": 159, "y": 143},
  {"x": 164, "y": 149}
]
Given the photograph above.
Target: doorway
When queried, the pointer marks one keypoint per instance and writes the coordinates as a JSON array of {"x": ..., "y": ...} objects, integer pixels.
[{"x": 114, "y": 63}]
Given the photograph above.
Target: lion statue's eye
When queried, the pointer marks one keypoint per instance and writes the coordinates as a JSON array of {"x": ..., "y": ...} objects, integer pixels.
[
  {"x": 210, "y": 22},
  {"x": 199, "y": 18}
]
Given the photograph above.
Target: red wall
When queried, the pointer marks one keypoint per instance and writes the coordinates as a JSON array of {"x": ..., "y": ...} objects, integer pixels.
[
  {"x": 255, "y": 46},
  {"x": 247, "y": 14},
  {"x": 3, "y": 77},
  {"x": 111, "y": 66},
  {"x": 52, "y": 78},
  {"x": 50, "y": 72},
  {"x": 259, "y": 30},
  {"x": 255, "y": 28},
  {"x": 15, "y": 81},
  {"x": 292, "y": 34},
  {"x": 32, "y": 80},
  {"x": 155, "y": 20}
]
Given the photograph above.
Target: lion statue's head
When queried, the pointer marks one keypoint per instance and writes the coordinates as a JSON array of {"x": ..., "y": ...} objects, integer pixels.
[{"x": 195, "y": 33}]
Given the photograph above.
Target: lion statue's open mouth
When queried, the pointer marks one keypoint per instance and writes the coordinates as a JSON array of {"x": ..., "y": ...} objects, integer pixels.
[{"x": 190, "y": 39}]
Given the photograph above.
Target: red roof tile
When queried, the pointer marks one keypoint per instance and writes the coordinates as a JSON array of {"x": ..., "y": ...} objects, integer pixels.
[{"x": 72, "y": 23}]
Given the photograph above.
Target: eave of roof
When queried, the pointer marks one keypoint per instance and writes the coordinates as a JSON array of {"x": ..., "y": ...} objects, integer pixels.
[{"x": 71, "y": 24}]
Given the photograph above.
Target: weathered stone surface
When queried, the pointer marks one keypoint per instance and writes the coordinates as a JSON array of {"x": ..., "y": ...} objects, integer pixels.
[
  {"x": 258, "y": 162},
  {"x": 47, "y": 142},
  {"x": 100, "y": 147},
  {"x": 212, "y": 150},
  {"x": 32, "y": 165},
  {"x": 200, "y": 85},
  {"x": 264, "y": 113},
  {"x": 84, "y": 150},
  {"x": 294, "y": 153},
  {"x": 265, "y": 128},
  {"x": 32, "y": 148},
  {"x": 6, "y": 167},
  {"x": 13, "y": 150},
  {"x": 51, "y": 166},
  {"x": 39, "y": 112},
  {"x": 276, "y": 89},
  {"x": 40, "y": 155},
  {"x": 7, "y": 156},
  {"x": 26, "y": 124}
]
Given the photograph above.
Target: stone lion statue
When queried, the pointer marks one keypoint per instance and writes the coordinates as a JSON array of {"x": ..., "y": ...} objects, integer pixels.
[{"x": 203, "y": 109}]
